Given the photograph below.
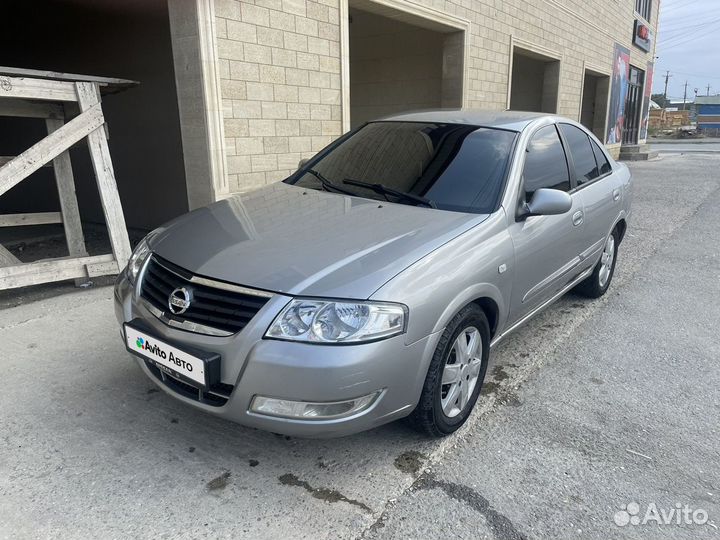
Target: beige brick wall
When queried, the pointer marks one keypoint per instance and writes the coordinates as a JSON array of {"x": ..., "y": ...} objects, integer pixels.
[{"x": 279, "y": 65}]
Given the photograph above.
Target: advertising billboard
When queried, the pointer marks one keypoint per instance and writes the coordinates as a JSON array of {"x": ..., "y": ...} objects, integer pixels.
[{"x": 618, "y": 94}]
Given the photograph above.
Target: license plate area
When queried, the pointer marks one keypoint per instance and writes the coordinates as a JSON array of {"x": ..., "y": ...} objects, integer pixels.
[{"x": 197, "y": 368}]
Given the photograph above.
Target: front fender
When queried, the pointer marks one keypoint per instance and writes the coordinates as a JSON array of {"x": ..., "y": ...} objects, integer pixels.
[
  {"x": 479, "y": 263},
  {"x": 470, "y": 294}
]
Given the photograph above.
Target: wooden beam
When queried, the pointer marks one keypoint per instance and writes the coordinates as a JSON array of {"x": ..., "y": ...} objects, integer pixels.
[
  {"x": 42, "y": 89},
  {"x": 113, "y": 84},
  {"x": 7, "y": 258},
  {"x": 102, "y": 269},
  {"x": 28, "y": 109},
  {"x": 89, "y": 98},
  {"x": 38, "y": 218},
  {"x": 8, "y": 159},
  {"x": 50, "y": 147},
  {"x": 56, "y": 270},
  {"x": 65, "y": 181}
]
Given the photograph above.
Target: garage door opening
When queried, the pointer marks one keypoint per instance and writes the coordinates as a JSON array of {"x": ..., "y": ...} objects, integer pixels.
[
  {"x": 401, "y": 62},
  {"x": 535, "y": 82},
  {"x": 129, "y": 40},
  {"x": 593, "y": 111}
]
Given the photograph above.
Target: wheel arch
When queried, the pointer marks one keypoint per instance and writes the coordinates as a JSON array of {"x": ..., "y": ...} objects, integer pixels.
[
  {"x": 487, "y": 297},
  {"x": 621, "y": 227},
  {"x": 492, "y": 312}
]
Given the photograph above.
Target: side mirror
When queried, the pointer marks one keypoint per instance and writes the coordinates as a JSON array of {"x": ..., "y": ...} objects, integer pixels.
[
  {"x": 302, "y": 163},
  {"x": 547, "y": 202}
]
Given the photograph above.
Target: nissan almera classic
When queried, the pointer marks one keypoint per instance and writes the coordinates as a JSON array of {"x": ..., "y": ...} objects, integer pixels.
[{"x": 372, "y": 283}]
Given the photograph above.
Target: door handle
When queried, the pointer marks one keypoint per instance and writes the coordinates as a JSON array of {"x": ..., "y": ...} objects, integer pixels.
[
  {"x": 616, "y": 194},
  {"x": 577, "y": 218}
]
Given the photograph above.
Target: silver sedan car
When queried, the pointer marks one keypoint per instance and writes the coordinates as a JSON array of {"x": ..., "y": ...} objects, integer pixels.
[{"x": 372, "y": 284}]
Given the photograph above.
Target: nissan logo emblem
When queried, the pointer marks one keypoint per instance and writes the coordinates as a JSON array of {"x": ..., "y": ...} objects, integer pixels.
[{"x": 179, "y": 301}]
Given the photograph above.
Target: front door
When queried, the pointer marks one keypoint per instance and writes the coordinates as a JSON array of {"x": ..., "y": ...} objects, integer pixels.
[
  {"x": 633, "y": 104},
  {"x": 547, "y": 248}
]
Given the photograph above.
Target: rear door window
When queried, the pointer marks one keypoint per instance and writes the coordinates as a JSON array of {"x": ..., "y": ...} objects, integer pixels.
[
  {"x": 545, "y": 163},
  {"x": 602, "y": 162},
  {"x": 586, "y": 168}
]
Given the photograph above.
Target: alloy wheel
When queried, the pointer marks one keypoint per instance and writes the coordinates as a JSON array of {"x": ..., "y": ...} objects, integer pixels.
[
  {"x": 461, "y": 371},
  {"x": 606, "y": 260}
]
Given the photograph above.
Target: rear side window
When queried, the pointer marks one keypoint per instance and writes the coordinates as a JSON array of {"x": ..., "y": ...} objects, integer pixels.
[
  {"x": 582, "y": 153},
  {"x": 545, "y": 163},
  {"x": 602, "y": 162}
]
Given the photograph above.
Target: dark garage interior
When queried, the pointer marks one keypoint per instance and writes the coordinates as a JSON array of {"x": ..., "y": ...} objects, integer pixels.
[{"x": 110, "y": 38}]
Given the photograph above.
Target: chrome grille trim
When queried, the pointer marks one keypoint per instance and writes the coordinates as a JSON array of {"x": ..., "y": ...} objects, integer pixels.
[
  {"x": 228, "y": 286},
  {"x": 218, "y": 284}
]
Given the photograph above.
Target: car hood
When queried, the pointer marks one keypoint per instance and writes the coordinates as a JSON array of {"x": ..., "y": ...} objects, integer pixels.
[{"x": 287, "y": 239}]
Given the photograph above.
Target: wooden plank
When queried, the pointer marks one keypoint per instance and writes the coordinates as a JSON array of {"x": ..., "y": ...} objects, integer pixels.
[
  {"x": 119, "y": 84},
  {"x": 38, "y": 218},
  {"x": 50, "y": 147},
  {"x": 102, "y": 269},
  {"x": 7, "y": 258},
  {"x": 42, "y": 89},
  {"x": 52, "y": 270},
  {"x": 8, "y": 159},
  {"x": 89, "y": 98},
  {"x": 28, "y": 109},
  {"x": 65, "y": 181}
]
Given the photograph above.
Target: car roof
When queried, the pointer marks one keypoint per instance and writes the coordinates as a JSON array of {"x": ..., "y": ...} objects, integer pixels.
[{"x": 513, "y": 120}]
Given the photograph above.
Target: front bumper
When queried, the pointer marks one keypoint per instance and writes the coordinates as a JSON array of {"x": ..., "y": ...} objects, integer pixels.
[{"x": 251, "y": 365}]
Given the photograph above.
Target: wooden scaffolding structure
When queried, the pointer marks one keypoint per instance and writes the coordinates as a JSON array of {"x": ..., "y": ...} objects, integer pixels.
[{"x": 72, "y": 109}]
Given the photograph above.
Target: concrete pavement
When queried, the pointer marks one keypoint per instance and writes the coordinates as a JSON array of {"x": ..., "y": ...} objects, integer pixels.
[
  {"x": 624, "y": 410},
  {"x": 593, "y": 405}
]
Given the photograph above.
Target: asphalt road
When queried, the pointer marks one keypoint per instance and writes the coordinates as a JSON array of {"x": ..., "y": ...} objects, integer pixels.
[
  {"x": 684, "y": 146},
  {"x": 592, "y": 406}
]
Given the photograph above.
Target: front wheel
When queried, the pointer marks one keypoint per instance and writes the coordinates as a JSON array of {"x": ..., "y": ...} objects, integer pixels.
[
  {"x": 455, "y": 375},
  {"x": 598, "y": 282}
]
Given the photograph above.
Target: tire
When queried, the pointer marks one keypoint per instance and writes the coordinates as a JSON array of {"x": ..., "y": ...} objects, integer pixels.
[
  {"x": 437, "y": 414},
  {"x": 598, "y": 282}
]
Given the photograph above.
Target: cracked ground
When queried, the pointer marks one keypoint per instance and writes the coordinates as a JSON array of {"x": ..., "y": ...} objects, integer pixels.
[{"x": 591, "y": 406}]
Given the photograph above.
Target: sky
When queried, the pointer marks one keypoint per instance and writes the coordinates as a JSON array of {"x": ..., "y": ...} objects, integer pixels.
[{"x": 688, "y": 47}]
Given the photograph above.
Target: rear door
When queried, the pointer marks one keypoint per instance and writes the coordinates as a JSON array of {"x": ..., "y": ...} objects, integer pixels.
[
  {"x": 600, "y": 190},
  {"x": 547, "y": 248}
]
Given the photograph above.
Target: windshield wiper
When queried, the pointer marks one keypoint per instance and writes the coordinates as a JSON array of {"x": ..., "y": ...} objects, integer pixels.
[
  {"x": 327, "y": 184},
  {"x": 384, "y": 190}
]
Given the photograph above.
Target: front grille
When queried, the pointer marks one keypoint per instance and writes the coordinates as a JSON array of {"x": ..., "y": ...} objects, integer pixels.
[
  {"x": 217, "y": 395},
  {"x": 228, "y": 311}
]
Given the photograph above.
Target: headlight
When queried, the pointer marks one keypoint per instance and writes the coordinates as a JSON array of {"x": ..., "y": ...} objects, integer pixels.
[
  {"x": 330, "y": 321},
  {"x": 142, "y": 250},
  {"x": 139, "y": 256}
]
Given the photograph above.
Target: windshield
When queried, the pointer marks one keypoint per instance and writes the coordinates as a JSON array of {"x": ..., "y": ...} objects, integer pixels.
[{"x": 446, "y": 166}]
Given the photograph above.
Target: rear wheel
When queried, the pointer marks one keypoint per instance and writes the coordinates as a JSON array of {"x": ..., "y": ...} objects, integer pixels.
[
  {"x": 599, "y": 281},
  {"x": 455, "y": 375}
]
